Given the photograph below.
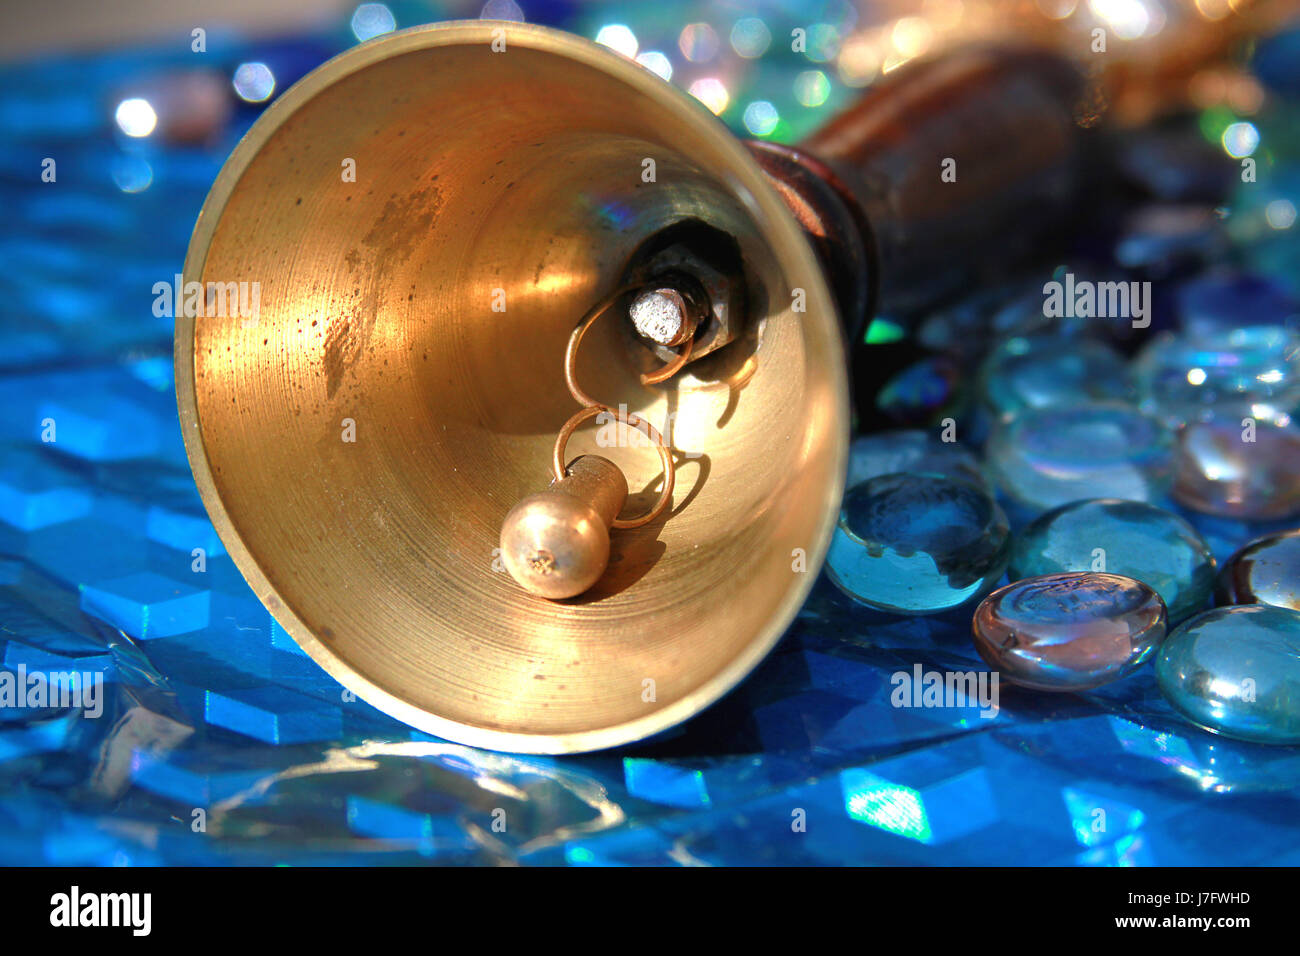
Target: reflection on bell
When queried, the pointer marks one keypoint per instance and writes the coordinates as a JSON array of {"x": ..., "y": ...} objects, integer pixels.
[{"x": 426, "y": 218}]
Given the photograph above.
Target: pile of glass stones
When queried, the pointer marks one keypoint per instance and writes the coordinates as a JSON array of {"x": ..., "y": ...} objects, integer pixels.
[{"x": 1085, "y": 471}]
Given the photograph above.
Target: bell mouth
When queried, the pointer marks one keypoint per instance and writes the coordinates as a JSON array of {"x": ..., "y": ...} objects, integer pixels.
[{"x": 359, "y": 440}]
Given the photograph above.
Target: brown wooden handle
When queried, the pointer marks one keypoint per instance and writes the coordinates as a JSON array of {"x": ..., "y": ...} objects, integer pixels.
[{"x": 1000, "y": 122}]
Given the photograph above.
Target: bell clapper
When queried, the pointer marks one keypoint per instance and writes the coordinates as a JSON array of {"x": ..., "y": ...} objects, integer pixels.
[{"x": 555, "y": 544}]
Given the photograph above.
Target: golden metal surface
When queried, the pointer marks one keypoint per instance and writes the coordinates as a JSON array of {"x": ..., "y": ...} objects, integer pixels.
[
  {"x": 484, "y": 177},
  {"x": 556, "y": 543}
]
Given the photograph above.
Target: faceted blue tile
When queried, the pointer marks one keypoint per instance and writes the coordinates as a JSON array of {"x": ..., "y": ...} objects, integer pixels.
[
  {"x": 281, "y": 640},
  {"x": 193, "y": 778},
  {"x": 662, "y": 782},
  {"x": 274, "y": 715},
  {"x": 182, "y": 531},
  {"x": 1131, "y": 850},
  {"x": 934, "y": 813},
  {"x": 630, "y": 846},
  {"x": 35, "y": 737},
  {"x": 11, "y": 571},
  {"x": 73, "y": 656},
  {"x": 384, "y": 821},
  {"x": 85, "y": 550},
  {"x": 100, "y": 427},
  {"x": 35, "y": 493},
  {"x": 84, "y": 842},
  {"x": 147, "y": 605},
  {"x": 1099, "y": 820}
]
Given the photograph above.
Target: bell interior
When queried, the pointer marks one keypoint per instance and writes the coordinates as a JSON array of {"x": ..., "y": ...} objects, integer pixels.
[{"x": 423, "y": 311}]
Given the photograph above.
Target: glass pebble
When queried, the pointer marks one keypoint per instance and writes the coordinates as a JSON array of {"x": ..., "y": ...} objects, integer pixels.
[
  {"x": 1252, "y": 370},
  {"x": 922, "y": 392},
  {"x": 1044, "y": 457},
  {"x": 890, "y": 452},
  {"x": 1238, "y": 469},
  {"x": 1236, "y": 671},
  {"x": 1068, "y": 632},
  {"x": 1034, "y": 371},
  {"x": 1130, "y": 538},
  {"x": 1220, "y": 302},
  {"x": 918, "y": 543},
  {"x": 1266, "y": 571}
]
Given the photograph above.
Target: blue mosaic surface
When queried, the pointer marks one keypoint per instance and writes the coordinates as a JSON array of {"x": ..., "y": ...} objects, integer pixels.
[{"x": 217, "y": 741}]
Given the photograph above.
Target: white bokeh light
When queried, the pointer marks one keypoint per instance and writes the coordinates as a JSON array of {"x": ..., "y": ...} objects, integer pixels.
[{"x": 136, "y": 117}]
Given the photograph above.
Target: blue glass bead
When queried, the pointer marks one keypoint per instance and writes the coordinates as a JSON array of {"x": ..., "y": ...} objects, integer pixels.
[
  {"x": 922, "y": 392},
  {"x": 1130, "y": 538},
  {"x": 1044, "y": 457},
  {"x": 1218, "y": 303},
  {"x": 1266, "y": 571},
  {"x": 1252, "y": 370},
  {"x": 1034, "y": 371},
  {"x": 1238, "y": 469},
  {"x": 1236, "y": 671},
  {"x": 1069, "y": 632},
  {"x": 891, "y": 452},
  {"x": 918, "y": 543}
]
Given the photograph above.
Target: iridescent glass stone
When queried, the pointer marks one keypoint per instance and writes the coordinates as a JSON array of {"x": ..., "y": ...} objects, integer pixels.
[
  {"x": 1235, "y": 371},
  {"x": 891, "y": 452},
  {"x": 1130, "y": 538},
  {"x": 1238, "y": 469},
  {"x": 922, "y": 393},
  {"x": 1266, "y": 571},
  {"x": 1034, "y": 371},
  {"x": 1044, "y": 457},
  {"x": 1236, "y": 671},
  {"x": 1069, "y": 631},
  {"x": 918, "y": 543}
]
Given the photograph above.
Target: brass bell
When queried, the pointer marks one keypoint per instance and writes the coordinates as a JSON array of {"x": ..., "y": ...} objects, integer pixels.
[{"x": 426, "y": 218}]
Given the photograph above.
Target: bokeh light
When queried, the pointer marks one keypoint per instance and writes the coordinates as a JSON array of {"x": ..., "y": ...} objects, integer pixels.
[
  {"x": 619, "y": 38},
  {"x": 698, "y": 42},
  {"x": 502, "y": 10},
  {"x": 823, "y": 42},
  {"x": 372, "y": 20},
  {"x": 1240, "y": 140},
  {"x": 761, "y": 118},
  {"x": 912, "y": 36},
  {"x": 656, "y": 62},
  {"x": 1280, "y": 213},
  {"x": 132, "y": 174},
  {"x": 859, "y": 61},
  {"x": 1057, "y": 9},
  {"x": 136, "y": 117},
  {"x": 1129, "y": 19},
  {"x": 811, "y": 88},
  {"x": 712, "y": 92},
  {"x": 253, "y": 82},
  {"x": 750, "y": 37}
]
